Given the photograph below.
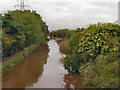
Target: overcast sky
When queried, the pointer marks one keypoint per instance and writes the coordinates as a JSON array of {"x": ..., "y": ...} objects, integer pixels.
[{"x": 70, "y": 13}]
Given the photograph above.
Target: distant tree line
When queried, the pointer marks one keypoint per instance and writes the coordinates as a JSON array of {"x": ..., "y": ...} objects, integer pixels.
[{"x": 62, "y": 33}]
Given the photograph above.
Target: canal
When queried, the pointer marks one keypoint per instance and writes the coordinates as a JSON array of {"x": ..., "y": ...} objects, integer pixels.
[{"x": 42, "y": 69}]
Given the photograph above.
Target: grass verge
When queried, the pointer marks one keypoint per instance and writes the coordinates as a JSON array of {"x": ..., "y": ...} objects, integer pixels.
[
  {"x": 9, "y": 65},
  {"x": 64, "y": 49}
]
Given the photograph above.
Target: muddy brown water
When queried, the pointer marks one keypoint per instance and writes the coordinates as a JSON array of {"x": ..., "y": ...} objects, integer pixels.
[{"x": 42, "y": 69}]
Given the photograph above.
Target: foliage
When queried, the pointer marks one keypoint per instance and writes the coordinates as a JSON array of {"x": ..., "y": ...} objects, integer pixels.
[
  {"x": 28, "y": 51},
  {"x": 65, "y": 49},
  {"x": 105, "y": 72},
  {"x": 22, "y": 29},
  {"x": 74, "y": 41},
  {"x": 0, "y": 44},
  {"x": 62, "y": 33},
  {"x": 71, "y": 63},
  {"x": 7, "y": 43},
  {"x": 0, "y": 21},
  {"x": 100, "y": 39},
  {"x": 11, "y": 63},
  {"x": 97, "y": 41},
  {"x": 65, "y": 34}
]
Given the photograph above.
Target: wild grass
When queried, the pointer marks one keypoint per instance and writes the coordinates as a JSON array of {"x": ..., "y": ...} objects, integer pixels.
[{"x": 10, "y": 64}]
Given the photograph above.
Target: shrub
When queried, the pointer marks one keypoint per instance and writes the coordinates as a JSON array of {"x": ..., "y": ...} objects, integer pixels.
[
  {"x": 71, "y": 63},
  {"x": 96, "y": 53},
  {"x": 22, "y": 29},
  {"x": 74, "y": 41},
  {"x": 65, "y": 49},
  {"x": 105, "y": 75}
]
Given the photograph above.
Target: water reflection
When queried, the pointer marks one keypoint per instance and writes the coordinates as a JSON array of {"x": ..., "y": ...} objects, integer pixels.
[
  {"x": 28, "y": 71},
  {"x": 42, "y": 71},
  {"x": 54, "y": 71},
  {"x": 73, "y": 81}
]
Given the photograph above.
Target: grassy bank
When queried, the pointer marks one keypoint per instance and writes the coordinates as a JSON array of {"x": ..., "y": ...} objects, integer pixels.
[
  {"x": 10, "y": 64},
  {"x": 63, "y": 46}
]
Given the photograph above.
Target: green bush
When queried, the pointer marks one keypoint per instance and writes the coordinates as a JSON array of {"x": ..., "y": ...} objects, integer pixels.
[
  {"x": 71, "y": 63},
  {"x": 22, "y": 29},
  {"x": 74, "y": 41},
  {"x": 97, "y": 39},
  {"x": 13, "y": 62},
  {"x": 10, "y": 64},
  {"x": 105, "y": 73},
  {"x": 65, "y": 49},
  {"x": 96, "y": 53}
]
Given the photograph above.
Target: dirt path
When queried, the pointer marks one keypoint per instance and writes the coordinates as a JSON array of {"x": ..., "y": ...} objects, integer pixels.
[{"x": 15, "y": 55}]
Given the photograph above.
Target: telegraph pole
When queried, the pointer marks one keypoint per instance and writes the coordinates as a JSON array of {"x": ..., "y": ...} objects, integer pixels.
[{"x": 21, "y": 4}]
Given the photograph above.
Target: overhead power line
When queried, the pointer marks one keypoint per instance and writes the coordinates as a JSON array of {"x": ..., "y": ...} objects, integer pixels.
[{"x": 21, "y": 4}]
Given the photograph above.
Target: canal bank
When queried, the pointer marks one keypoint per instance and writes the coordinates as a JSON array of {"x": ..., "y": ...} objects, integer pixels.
[
  {"x": 42, "y": 69},
  {"x": 10, "y": 62},
  {"x": 26, "y": 72}
]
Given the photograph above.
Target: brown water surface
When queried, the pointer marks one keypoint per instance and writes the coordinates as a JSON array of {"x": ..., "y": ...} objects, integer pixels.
[
  {"x": 27, "y": 72},
  {"x": 42, "y": 70}
]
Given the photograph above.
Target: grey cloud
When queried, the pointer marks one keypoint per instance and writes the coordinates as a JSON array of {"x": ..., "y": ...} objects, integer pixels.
[
  {"x": 72, "y": 13},
  {"x": 109, "y": 5}
]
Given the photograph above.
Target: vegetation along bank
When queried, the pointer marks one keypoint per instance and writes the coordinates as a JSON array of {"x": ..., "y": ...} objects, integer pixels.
[
  {"x": 21, "y": 29},
  {"x": 93, "y": 52}
]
